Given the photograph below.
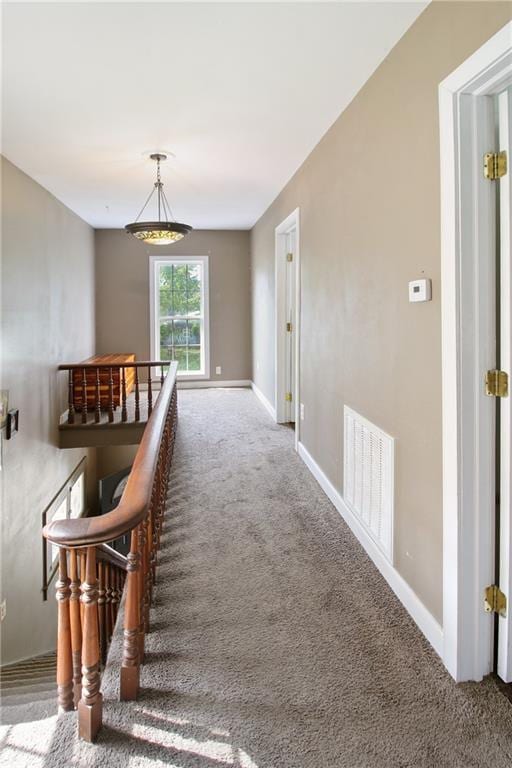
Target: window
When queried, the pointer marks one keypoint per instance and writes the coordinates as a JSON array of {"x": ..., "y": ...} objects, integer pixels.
[
  {"x": 69, "y": 502},
  {"x": 179, "y": 313}
]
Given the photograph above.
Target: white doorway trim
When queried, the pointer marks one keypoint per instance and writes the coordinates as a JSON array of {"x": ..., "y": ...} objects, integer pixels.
[
  {"x": 292, "y": 222},
  {"x": 468, "y": 315}
]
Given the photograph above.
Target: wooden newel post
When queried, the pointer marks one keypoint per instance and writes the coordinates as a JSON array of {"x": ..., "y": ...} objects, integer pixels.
[
  {"x": 91, "y": 704},
  {"x": 76, "y": 627},
  {"x": 130, "y": 668},
  {"x": 64, "y": 658}
]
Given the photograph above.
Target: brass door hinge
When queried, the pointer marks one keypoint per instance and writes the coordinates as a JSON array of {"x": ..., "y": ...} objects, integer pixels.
[
  {"x": 496, "y": 383},
  {"x": 288, "y": 397},
  {"x": 288, "y": 327},
  {"x": 289, "y": 257},
  {"x": 495, "y": 165},
  {"x": 495, "y": 601}
]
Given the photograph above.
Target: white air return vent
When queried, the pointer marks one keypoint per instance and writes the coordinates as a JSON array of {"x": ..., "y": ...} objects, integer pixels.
[{"x": 368, "y": 478}]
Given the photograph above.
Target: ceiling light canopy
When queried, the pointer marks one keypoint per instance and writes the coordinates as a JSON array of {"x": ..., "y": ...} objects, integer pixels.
[{"x": 164, "y": 231}]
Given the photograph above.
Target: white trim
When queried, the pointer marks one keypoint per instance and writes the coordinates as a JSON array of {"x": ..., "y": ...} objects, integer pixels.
[
  {"x": 154, "y": 261},
  {"x": 467, "y": 317},
  {"x": 504, "y": 661},
  {"x": 214, "y": 384},
  {"x": 409, "y": 599},
  {"x": 291, "y": 222},
  {"x": 264, "y": 401},
  {"x": 298, "y": 321}
]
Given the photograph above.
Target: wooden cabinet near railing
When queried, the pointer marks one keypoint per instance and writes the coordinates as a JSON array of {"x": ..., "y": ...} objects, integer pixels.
[{"x": 109, "y": 383}]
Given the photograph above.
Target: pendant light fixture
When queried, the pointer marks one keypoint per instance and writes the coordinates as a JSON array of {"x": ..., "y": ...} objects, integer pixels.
[{"x": 164, "y": 231}]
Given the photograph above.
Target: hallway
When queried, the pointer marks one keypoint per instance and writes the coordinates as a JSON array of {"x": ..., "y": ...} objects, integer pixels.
[{"x": 275, "y": 642}]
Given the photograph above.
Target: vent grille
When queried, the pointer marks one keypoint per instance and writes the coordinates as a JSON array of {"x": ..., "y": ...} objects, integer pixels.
[{"x": 369, "y": 478}]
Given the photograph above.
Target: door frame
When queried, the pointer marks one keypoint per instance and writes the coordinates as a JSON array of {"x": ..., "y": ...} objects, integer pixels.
[
  {"x": 504, "y": 623},
  {"x": 291, "y": 222},
  {"x": 468, "y": 415}
]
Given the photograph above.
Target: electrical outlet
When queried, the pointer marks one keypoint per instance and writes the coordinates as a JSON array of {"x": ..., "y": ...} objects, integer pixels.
[
  {"x": 302, "y": 411},
  {"x": 218, "y": 370},
  {"x": 3, "y": 610}
]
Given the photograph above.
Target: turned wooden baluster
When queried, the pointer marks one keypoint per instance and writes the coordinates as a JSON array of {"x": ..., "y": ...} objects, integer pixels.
[
  {"x": 101, "y": 611},
  {"x": 129, "y": 684},
  {"x": 142, "y": 591},
  {"x": 137, "y": 397},
  {"x": 154, "y": 524},
  {"x": 83, "y": 560},
  {"x": 97, "y": 412},
  {"x": 76, "y": 626},
  {"x": 150, "y": 393},
  {"x": 91, "y": 704},
  {"x": 146, "y": 568},
  {"x": 108, "y": 603},
  {"x": 124, "y": 412},
  {"x": 84, "y": 396},
  {"x": 155, "y": 529},
  {"x": 71, "y": 399},
  {"x": 164, "y": 484},
  {"x": 115, "y": 596},
  {"x": 162, "y": 376},
  {"x": 110, "y": 404},
  {"x": 64, "y": 657}
]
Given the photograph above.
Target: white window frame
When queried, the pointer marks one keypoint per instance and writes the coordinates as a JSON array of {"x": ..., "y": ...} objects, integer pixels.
[{"x": 154, "y": 265}]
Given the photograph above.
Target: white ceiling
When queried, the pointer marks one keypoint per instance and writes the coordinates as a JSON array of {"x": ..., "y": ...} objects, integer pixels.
[{"x": 239, "y": 92}]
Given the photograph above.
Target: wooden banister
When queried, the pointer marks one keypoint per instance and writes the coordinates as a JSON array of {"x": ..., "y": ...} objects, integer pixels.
[
  {"x": 98, "y": 574},
  {"x": 133, "y": 364},
  {"x": 104, "y": 383},
  {"x": 132, "y": 508},
  {"x": 107, "y": 554}
]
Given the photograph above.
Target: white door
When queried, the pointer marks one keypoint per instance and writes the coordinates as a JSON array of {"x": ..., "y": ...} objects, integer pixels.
[
  {"x": 289, "y": 361},
  {"x": 504, "y": 527}
]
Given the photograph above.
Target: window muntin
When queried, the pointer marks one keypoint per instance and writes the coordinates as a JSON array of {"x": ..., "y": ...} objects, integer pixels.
[{"x": 180, "y": 323}]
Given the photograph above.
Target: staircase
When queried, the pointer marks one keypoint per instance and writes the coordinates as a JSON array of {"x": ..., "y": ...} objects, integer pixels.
[{"x": 27, "y": 690}]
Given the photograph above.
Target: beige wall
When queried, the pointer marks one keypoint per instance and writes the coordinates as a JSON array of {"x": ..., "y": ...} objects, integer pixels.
[
  {"x": 112, "y": 458},
  {"x": 369, "y": 198},
  {"x": 47, "y": 319},
  {"x": 122, "y": 295}
]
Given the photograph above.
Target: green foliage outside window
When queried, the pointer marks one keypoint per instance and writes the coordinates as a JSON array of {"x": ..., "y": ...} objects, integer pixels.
[{"x": 180, "y": 315}]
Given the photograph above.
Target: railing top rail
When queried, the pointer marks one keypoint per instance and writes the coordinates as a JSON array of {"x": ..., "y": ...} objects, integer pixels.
[
  {"x": 130, "y": 364},
  {"x": 88, "y": 531}
]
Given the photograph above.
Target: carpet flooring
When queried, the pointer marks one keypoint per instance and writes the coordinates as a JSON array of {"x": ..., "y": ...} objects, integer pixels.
[
  {"x": 275, "y": 643},
  {"x": 27, "y": 690}
]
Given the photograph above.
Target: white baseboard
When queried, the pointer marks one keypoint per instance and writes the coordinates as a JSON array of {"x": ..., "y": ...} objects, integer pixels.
[
  {"x": 202, "y": 384},
  {"x": 409, "y": 599},
  {"x": 263, "y": 400}
]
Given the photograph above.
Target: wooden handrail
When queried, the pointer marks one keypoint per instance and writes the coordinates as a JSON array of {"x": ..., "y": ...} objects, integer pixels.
[
  {"x": 107, "y": 554},
  {"x": 131, "y": 510},
  {"x": 131, "y": 364},
  {"x": 93, "y": 576},
  {"x": 103, "y": 383}
]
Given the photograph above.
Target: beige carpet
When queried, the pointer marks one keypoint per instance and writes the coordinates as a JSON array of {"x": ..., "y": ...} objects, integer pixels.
[{"x": 275, "y": 643}]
